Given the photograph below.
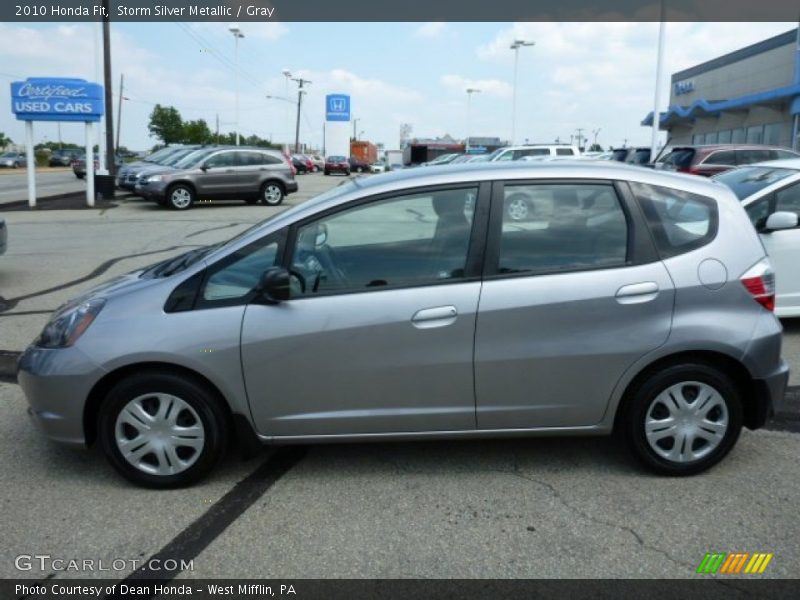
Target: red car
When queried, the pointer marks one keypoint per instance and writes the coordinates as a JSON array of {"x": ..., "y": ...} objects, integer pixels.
[
  {"x": 337, "y": 164},
  {"x": 718, "y": 158}
]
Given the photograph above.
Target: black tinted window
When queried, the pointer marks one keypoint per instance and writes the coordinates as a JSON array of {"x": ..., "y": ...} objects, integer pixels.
[
  {"x": 565, "y": 152},
  {"x": 680, "y": 158},
  {"x": 724, "y": 157},
  {"x": 620, "y": 154},
  {"x": 680, "y": 221},
  {"x": 552, "y": 228}
]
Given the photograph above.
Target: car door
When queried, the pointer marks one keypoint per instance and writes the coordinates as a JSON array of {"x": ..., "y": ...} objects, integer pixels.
[
  {"x": 378, "y": 334},
  {"x": 572, "y": 297},
  {"x": 249, "y": 164},
  {"x": 218, "y": 178},
  {"x": 783, "y": 247}
]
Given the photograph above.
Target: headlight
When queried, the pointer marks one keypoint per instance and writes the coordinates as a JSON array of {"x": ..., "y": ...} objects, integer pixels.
[
  {"x": 154, "y": 178},
  {"x": 68, "y": 325}
]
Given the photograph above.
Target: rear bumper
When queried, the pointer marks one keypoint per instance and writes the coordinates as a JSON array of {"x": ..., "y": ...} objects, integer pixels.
[
  {"x": 769, "y": 395},
  {"x": 292, "y": 187}
]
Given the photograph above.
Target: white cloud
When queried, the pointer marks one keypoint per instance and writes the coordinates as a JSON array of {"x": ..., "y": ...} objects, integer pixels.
[
  {"x": 492, "y": 87},
  {"x": 430, "y": 30}
]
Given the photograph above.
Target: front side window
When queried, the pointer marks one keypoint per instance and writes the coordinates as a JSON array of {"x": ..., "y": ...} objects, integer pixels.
[
  {"x": 680, "y": 221},
  {"x": 223, "y": 159},
  {"x": 549, "y": 228},
  {"x": 235, "y": 277},
  {"x": 415, "y": 239},
  {"x": 788, "y": 199}
]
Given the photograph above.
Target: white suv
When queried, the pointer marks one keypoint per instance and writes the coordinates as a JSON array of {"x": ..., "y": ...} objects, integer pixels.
[{"x": 534, "y": 150}]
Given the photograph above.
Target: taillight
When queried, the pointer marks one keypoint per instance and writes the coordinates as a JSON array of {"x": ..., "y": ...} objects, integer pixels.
[
  {"x": 759, "y": 280},
  {"x": 291, "y": 165}
]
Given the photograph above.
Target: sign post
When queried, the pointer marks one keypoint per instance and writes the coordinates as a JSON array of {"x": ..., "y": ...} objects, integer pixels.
[
  {"x": 52, "y": 99},
  {"x": 337, "y": 121}
]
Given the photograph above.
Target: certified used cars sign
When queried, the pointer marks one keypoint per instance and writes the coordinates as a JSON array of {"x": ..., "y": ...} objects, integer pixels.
[{"x": 49, "y": 99}]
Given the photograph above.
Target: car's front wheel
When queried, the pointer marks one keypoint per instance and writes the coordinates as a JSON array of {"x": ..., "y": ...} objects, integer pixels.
[
  {"x": 684, "y": 419},
  {"x": 162, "y": 430},
  {"x": 180, "y": 197}
]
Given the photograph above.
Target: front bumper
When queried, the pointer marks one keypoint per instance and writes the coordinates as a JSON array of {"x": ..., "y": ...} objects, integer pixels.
[{"x": 56, "y": 383}]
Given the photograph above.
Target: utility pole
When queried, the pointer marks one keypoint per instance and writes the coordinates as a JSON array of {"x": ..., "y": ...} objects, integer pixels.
[
  {"x": 300, "y": 83},
  {"x": 470, "y": 91},
  {"x": 579, "y": 130},
  {"x": 119, "y": 108},
  {"x": 324, "y": 131},
  {"x": 657, "y": 94},
  {"x": 595, "y": 133},
  {"x": 355, "y": 137},
  {"x": 110, "y": 166},
  {"x": 217, "y": 128}
]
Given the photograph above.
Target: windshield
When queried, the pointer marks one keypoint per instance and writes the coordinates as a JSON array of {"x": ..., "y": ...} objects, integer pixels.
[
  {"x": 177, "y": 157},
  {"x": 160, "y": 154},
  {"x": 495, "y": 154},
  {"x": 9, "y": 155},
  {"x": 679, "y": 157},
  {"x": 748, "y": 180}
]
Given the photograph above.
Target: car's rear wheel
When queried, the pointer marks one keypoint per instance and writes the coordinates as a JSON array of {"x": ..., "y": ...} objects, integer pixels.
[
  {"x": 517, "y": 208},
  {"x": 180, "y": 197},
  {"x": 684, "y": 419},
  {"x": 162, "y": 430},
  {"x": 272, "y": 193}
]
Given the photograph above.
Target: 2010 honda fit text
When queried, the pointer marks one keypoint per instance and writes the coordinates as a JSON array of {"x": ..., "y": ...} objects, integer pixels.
[{"x": 412, "y": 305}]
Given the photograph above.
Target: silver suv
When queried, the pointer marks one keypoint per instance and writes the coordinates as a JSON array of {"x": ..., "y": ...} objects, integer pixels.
[
  {"x": 410, "y": 306},
  {"x": 249, "y": 174}
]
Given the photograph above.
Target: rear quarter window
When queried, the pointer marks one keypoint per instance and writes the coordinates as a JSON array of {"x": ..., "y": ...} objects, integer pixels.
[{"x": 680, "y": 221}]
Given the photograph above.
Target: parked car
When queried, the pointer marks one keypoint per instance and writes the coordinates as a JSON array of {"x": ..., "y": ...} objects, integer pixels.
[
  {"x": 358, "y": 165},
  {"x": 315, "y": 325},
  {"x": 770, "y": 193},
  {"x": 79, "y": 165},
  {"x": 63, "y": 157},
  {"x": 13, "y": 160},
  {"x": 3, "y": 236},
  {"x": 318, "y": 161},
  {"x": 231, "y": 173},
  {"x": 639, "y": 155},
  {"x": 128, "y": 173},
  {"x": 186, "y": 158},
  {"x": 378, "y": 167},
  {"x": 718, "y": 158},
  {"x": 337, "y": 164},
  {"x": 442, "y": 159},
  {"x": 301, "y": 164},
  {"x": 518, "y": 152}
]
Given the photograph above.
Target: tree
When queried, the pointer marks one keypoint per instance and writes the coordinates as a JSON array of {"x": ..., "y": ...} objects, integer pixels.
[
  {"x": 166, "y": 124},
  {"x": 4, "y": 141},
  {"x": 196, "y": 132},
  {"x": 595, "y": 148}
]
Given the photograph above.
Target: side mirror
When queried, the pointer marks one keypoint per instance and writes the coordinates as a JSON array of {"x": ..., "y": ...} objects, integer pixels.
[
  {"x": 274, "y": 285},
  {"x": 781, "y": 220}
]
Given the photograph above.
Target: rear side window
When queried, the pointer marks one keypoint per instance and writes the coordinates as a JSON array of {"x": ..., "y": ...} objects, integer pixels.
[
  {"x": 565, "y": 152},
  {"x": 725, "y": 157},
  {"x": 680, "y": 221},
  {"x": 551, "y": 228}
]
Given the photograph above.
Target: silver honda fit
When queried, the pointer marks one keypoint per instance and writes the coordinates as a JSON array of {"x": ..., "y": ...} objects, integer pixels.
[{"x": 469, "y": 301}]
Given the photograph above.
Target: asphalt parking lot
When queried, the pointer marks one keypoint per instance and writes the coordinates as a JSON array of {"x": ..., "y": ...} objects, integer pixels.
[{"x": 485, "y": 509}]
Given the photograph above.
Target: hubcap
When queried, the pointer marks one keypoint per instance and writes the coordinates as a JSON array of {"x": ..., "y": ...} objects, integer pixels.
[
  {"x": 518, "y": 209},
  {"x": 272, "y": 194},
  {"x": 159, "y": 434},
  {"x": 181, "y": 198},
  {"x": 686, "y": 422}
]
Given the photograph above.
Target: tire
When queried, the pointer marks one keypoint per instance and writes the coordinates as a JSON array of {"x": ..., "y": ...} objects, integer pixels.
[
  {"x": 79, "y": 176},
  {"x": 347, "y": 173},
  {"x": 698, "y": 399},
  {"x": 16, "y": 165},
  {"x": 272, "y": 193},
  {"x": 327, "y": 172},
  {"x": 518, "y": 208},
  {"x": 180, "y": 197},
  {"x": 123, "y": 429}
]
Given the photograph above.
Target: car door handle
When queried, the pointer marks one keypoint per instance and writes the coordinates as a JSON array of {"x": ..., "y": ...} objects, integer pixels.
[
  {"x": 440, "y": 316},
  {"x": 636, "y": 293}
]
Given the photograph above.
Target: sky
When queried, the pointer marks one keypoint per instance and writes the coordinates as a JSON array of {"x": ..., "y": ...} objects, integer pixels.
[{"x": 596, "y": 76}]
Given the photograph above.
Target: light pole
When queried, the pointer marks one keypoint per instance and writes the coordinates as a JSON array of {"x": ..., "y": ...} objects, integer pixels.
[
  {"x": 515, "y": 47},
  {"x": 287, "y": 74},
  {"x": 657, "y": 96},
  {"x": 300, "y": 91},
  {"x": 355, "y": 138},
  {"x": 470, "y": 91},
  {"x": 237, "y": 35}
]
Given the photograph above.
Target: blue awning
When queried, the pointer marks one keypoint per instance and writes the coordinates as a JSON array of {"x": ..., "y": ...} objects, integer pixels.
[{"x": 704, "y": 108}]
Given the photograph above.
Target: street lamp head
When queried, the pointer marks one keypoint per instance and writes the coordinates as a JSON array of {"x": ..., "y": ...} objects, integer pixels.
[
  {"x": 236, "y": 32},
  {"x": 520, "y": 44},
  {"x": 286, "y": 73},
  {"x": 473, "y": 91}
]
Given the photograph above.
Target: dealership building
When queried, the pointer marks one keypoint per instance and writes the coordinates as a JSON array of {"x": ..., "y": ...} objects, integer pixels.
[{"x": 751, "y": 95}]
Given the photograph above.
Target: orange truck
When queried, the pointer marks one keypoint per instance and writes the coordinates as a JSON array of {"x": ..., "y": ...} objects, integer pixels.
[{"x": 365, "y": 151}]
